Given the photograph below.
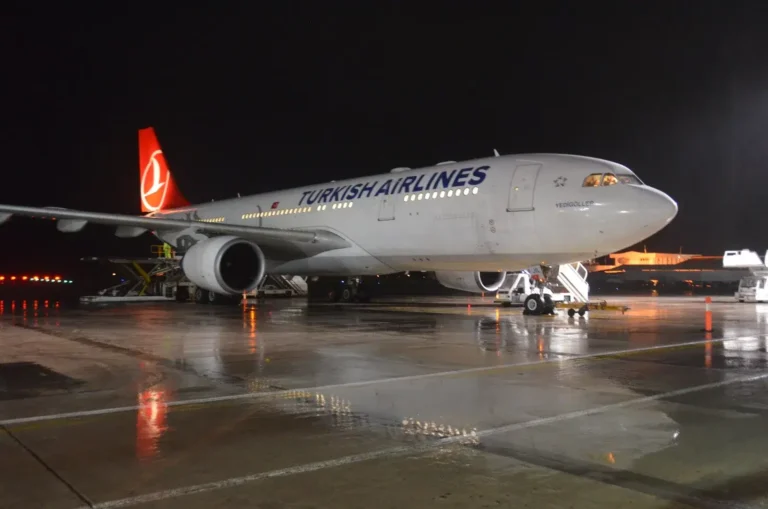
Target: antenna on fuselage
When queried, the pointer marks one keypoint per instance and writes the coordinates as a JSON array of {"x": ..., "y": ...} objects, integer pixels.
[{"x": 496, "y": 153}]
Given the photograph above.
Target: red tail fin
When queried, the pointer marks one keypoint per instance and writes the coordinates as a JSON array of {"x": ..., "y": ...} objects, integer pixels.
[{"x": 157, "y": 189}]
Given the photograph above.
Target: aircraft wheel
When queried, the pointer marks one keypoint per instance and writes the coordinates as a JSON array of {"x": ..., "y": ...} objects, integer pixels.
[
  {"x": 533, "y": 305},
  {"x": 549, "y": 306},
  {"x": 182, "y": 294},
  {"x": 571, "y": 311},
  {"x": 201, "y": 296},
  {"x": 346, "y": 295}
]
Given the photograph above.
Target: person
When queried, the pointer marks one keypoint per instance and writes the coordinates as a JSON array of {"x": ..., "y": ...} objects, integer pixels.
[{"x": 167, "y": 250}]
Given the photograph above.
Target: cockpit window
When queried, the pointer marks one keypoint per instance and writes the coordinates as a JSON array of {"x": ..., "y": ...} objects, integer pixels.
[
  {"x": 610, "y": 179},
  {"x": 593, "y": 180},
  {"x": 629, "y": 179}
]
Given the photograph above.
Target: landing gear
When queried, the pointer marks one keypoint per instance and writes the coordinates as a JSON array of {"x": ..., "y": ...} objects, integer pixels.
[
  {"x": 536, "y": 304},
  {"x": 335, "y": 289},
  {"x": 539, "y": 303},
  {"x": 182, "y": 294},
  {"x": 206, "y": 297}
]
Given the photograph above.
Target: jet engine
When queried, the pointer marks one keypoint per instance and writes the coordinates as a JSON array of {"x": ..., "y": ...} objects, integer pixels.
[
  {"x": 475, "y": 282},
  {"x": 225, "y": 265}
]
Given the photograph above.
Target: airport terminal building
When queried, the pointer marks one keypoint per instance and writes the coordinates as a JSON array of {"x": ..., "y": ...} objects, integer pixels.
[{"x": 638, "y": 270}]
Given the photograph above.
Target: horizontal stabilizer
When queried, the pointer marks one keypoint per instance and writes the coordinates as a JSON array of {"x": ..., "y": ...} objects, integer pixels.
[
  {"x": 128, "y": 232},
  {"x": 70, "y": 225},
  {"x": 743, "y": 259}
]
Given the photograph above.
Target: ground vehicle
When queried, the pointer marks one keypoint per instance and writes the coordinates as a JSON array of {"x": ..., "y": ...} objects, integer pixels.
[
  {"x": 752, "y": 288},
  {"x": 566, "y": 284},
  {"x": 274, "y": 291}
]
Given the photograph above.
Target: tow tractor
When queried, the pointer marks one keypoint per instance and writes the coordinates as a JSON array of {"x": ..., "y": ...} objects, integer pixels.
[{"x": 542, "y": 289}]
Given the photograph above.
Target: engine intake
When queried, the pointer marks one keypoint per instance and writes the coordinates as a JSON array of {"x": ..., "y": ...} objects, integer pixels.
[
  {"x": 226, "y": 265},
  {"x": 475, "y": 282}
]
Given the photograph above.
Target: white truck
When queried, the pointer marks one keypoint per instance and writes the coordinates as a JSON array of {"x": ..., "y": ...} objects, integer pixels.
[
  {"x": 569, "y": 286},
  {"x": 752, "y": 288}
]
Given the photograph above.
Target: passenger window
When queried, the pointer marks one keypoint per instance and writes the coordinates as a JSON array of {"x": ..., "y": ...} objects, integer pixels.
[
  {"x": 593, "y": 180},
  {"x": 610, "y": 179}
]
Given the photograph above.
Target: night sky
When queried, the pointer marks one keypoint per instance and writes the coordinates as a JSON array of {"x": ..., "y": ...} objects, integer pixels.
[{"x": 262, "y": 99}]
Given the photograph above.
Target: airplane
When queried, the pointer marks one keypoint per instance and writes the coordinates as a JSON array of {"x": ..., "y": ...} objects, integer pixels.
[{"x": 470, "y": 222}]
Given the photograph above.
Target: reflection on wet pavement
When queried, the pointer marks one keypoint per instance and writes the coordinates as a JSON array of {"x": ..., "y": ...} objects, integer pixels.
[{"x": 461, "y": 405}]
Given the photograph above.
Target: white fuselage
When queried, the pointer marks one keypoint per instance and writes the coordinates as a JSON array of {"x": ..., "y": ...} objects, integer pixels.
[{"x": 492, "y": 214}]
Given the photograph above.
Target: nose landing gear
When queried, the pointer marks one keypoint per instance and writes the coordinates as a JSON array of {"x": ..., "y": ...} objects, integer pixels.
[
  {"x": 536, "y": 304},
  {"x": 540, "y": 303}
]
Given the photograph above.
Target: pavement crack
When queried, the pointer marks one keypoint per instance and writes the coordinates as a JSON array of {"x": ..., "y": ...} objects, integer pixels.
[{"x": 48, "y": 467}]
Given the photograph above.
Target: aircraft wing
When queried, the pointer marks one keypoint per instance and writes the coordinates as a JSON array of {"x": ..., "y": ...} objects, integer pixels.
[{"x": 309, "y": 242}]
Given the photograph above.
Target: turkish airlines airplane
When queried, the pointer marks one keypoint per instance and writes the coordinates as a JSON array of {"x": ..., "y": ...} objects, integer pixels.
[{"x": 471, "y": 222}]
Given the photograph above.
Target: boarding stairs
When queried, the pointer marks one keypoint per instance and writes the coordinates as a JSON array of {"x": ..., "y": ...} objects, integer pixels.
[
  {"x": 573, "y": 277},
  {"x": 746, "y": 259},
  {"x": 568, "y": 278}
]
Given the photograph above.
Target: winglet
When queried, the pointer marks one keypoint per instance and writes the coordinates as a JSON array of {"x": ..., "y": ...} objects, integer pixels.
[
  {"x": 157, "y": 188},
  {"x": 496, "y": 153}
]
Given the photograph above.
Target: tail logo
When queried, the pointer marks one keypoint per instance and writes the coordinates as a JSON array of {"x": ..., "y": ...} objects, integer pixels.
[{"x": 154, "y": 182}]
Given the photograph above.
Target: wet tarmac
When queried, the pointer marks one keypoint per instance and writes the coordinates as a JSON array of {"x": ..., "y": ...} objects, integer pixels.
[{"x": 415, "y": 403}]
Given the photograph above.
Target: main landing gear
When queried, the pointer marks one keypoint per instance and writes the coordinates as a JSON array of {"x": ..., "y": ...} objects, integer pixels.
[
  {"x": 207, "y": 297},
  {"x": 338, "y": 289}
]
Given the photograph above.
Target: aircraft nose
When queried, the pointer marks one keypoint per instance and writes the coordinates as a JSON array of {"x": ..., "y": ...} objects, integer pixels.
[{"x": 660, "y": 208}]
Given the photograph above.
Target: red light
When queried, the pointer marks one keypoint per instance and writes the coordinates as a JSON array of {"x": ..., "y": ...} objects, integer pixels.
[
  {"x": 57, "y": 277},
  {"x": 13, "y": 278},
  {"x": 24, "y": 278},
  {"x": 2, "y": 278}
]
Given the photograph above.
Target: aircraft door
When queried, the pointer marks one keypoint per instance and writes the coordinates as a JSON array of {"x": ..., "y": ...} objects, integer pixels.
[
  {"x": 386, "y": 208},
  {"x": 521, "y": 190}
]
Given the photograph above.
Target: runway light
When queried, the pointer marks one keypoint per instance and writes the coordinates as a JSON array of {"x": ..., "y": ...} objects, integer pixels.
[
  {"x": 24, "y": 278},
  {"x": 2, "y": 278},
  {"x": 13, "y": 278}
]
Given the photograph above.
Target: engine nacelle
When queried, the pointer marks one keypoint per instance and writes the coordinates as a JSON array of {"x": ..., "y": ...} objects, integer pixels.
[
  {"x": 476, "y": 282},
  {"x": 227, "y": 265}
]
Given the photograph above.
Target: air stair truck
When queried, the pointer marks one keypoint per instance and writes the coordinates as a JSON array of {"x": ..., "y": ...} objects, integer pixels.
[
  {"x": 539, "y": 290},
  {"x": 752, "y": 288}
]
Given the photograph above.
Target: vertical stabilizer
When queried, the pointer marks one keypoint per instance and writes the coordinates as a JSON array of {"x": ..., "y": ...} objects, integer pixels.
[{"x": 157, "y": 189}]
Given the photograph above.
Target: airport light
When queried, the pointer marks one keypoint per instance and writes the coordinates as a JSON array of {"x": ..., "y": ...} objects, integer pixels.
[
  {"x": 2, "y": 278},
  {"x": 24, "y": 278},
  {"x": 13, "y": 278}
]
